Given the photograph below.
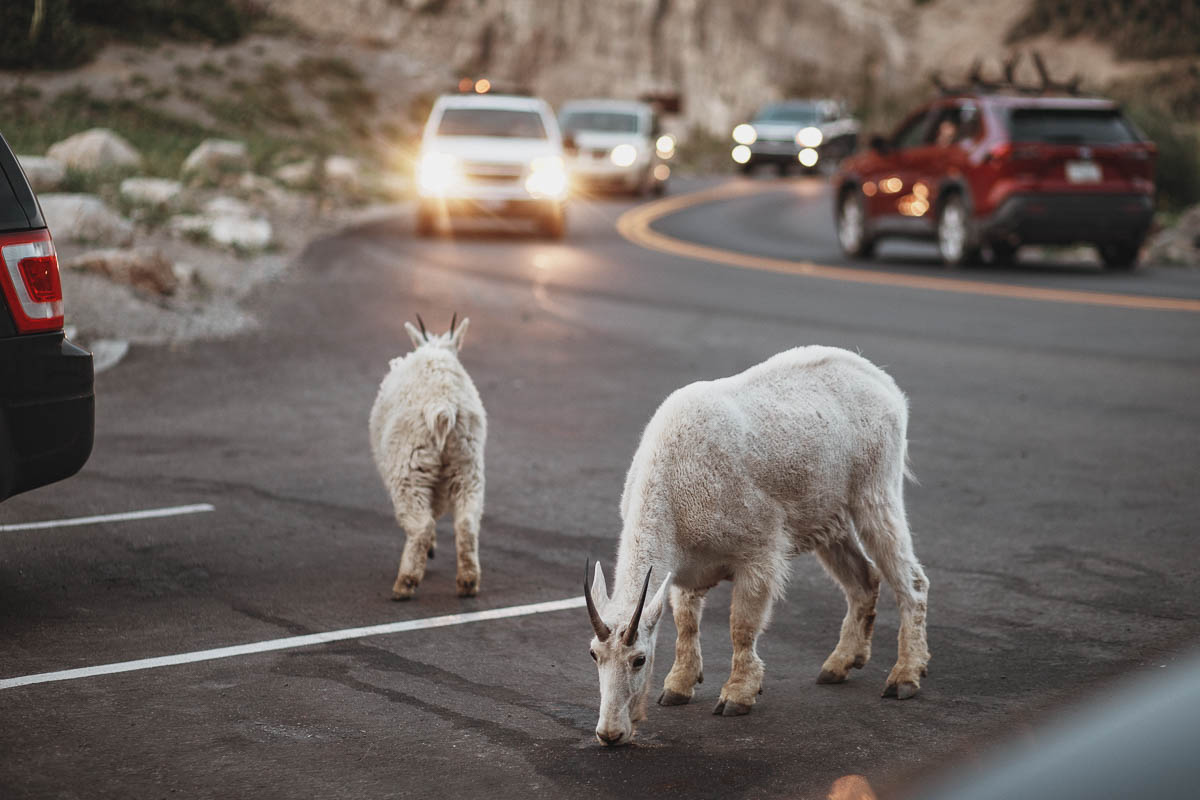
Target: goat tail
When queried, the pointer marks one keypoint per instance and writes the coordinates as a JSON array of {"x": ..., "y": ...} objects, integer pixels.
[{"x": 440, "y": 418}]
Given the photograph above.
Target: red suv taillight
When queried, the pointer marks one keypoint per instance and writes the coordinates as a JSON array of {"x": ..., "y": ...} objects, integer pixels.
[{"x": 30, "y": 281}]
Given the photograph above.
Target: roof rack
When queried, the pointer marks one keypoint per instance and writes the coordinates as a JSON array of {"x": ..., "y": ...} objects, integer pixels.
[{"x": 976, "y": 82}]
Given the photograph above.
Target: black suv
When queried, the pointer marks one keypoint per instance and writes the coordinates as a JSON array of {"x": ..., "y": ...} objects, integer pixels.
[{"x": 47, "y": 400}]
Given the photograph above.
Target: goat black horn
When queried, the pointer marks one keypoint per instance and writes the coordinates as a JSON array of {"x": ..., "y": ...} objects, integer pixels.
[
  {"x": 421, "y": 322},
  {"x": 453, "y": 319},
  {"x": 631, "y": 634}
]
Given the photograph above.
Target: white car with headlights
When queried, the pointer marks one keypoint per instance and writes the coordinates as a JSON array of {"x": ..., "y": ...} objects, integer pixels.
[
  {"x": 616, "y": 145},
  {"x": 491, "y": 155},
  {"x": 795, "y": 133}
]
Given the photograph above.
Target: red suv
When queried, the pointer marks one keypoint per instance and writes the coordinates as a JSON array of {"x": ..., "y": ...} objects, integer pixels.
[{"x": 996, "y": 171}]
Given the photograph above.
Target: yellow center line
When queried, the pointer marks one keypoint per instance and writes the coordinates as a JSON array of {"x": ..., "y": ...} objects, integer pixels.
[{"x": 635, "y": 224}]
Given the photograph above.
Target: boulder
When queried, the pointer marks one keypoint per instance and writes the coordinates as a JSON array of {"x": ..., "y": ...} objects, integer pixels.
[
  {"x": 342, "y": 174},
  {"x": 85, "y": 218},
  {"x": 225, "y": 206},
  {"x": 1179, "y": 244},
  {"x": 244, "y": 234},
  {"x": 213, "y": 158},
  {"x": 157, "y": 192},
  {"x": 143, "y": 268},
  {"x": 95, "y": 150},
  {"x": 44, "y": 174},
  {"x": 297, "y": 174}
]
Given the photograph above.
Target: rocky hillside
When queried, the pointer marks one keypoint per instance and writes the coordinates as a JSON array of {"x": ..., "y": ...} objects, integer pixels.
[{"x": 723, "y": 58}]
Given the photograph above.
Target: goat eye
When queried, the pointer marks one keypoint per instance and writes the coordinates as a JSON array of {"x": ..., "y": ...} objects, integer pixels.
[
  {"x": 639, "y": 662},
  {"x": 592, "y": 653}
]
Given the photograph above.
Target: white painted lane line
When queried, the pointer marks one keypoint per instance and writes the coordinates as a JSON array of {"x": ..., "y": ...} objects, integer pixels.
[
  {"x": 151, "y": 513},
  {"x": 292, "y": 642}
]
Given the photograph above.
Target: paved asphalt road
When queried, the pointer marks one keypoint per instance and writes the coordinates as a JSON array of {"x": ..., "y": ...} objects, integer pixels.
[{"x": 1057, "y": 446}]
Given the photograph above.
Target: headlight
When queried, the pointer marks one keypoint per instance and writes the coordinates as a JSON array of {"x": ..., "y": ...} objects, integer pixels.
[
  {"x": 665, "y": 146},
  {"x": 437, "y": 173},
  {"x": 547, "y": 178},
  {"x": 809, "y": 137},
  {"x": 808, "y": 157},
  {"x": 623, "y": 155},
  {"x": 741, "y": 154},
  {"x": 745, "y": 134}
]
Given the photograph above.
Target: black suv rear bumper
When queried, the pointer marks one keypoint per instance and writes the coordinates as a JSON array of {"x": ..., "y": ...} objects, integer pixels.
[
  {"x": 1069, "y": 218},
  {"x": 47, "y": 410}
]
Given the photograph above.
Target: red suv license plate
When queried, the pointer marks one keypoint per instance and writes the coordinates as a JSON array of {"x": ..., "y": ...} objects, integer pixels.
[{"x": 1083, "y": 172}]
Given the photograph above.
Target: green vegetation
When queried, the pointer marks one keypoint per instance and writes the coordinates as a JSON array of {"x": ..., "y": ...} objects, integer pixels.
[
  {"x": 1177, "y": 169},
  {"x": 1135, "y": 28}
]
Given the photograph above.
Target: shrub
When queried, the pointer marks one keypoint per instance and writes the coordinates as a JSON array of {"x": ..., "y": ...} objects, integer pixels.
[
  {"x": 1177, "y": 171},
  {"x": 57, "y": 42}
]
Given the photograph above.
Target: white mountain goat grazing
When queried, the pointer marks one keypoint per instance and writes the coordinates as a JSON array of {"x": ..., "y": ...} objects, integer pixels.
[
  {"x": 733, "y": 477},
  {"x": 428, "y": 430}
]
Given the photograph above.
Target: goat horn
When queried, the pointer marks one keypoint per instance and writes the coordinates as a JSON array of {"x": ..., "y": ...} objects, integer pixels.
[
  {"x": 631, "y": 634},
  {"x": 602, "y": 630},
  {"x": 453, "y": 319},
  {"x": 421, "y": 322}
]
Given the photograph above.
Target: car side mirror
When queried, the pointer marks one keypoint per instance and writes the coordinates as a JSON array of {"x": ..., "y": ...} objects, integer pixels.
[
  {"x": 879, "y": 143},
  {"x": 568, "y": 143}
]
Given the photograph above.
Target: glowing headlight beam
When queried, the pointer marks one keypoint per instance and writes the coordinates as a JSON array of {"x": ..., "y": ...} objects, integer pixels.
[
  {"x": 745, "y": 134},
  {"x": 547, "y": 178},
  {"x": 437, "y": 173},
  {"x": 665, "y": 145},
  {"x": 623, "y": 155},
  {"x": 741, "y": 154},
  {"x": 809, "y": 137},
  {"x": 808, "y": 157}
]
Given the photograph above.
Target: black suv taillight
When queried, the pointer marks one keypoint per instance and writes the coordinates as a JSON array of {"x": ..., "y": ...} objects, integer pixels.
[{"x": 30, "y": 281}]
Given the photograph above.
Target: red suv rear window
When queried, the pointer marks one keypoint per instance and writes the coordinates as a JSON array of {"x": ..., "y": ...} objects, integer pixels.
[{"x": 1070, "y": 126}]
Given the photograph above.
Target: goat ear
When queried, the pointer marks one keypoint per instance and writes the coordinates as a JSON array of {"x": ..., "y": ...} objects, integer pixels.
[
  {"x": 599, "y": 590},
  {"x": 414, "y": 334},
  {"x": 655, "y": 606},
  {"x": 459, "y": 333}
]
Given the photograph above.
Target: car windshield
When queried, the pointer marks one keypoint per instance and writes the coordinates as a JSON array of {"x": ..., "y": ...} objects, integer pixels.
[
  {"x": 600, "y": 121},
  {"x": 503, "y": 122},
  {"x": 1069, "y": 126},
  {"x": 800, "y": 114}
]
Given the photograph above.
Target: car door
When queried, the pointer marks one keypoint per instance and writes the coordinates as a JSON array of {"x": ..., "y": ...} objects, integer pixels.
[
  {"x": 941, "y": 159},
  {"x": 893, "y": 172}
]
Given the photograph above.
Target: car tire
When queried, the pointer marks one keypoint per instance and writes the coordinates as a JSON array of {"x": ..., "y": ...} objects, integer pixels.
[
  {"x": 554, "y": 224},
  {"x": 746, "y": 168},
  {"x": 782, "y": 169},
  {"x": 954, "y": 233},
  {"x": 660, "y": 188},
  {"x": 1119, "y": 256},
  {"x": 853, "y": 235}
]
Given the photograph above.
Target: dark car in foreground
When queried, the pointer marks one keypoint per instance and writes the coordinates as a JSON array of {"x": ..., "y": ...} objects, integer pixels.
[
  {"x": 994, "y": 171},
  {"x": 47, "y": 401}
]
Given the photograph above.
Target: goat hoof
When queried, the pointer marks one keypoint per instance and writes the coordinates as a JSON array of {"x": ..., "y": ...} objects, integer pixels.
[
  {"x": 432, "y": 552},
  {"x": 669, "y": 698},
  {"x": 720, "y": 708},
  {"x": 902, "y": 690},
  {"x": 829, "y": 676},
  {"x": 401, "y": 595},
  {"x": 733, "y": 709},
  {"x": 468, "y": 588},
  {"x": 700, "y": 677},
  {"x": 859, "y": 662}
]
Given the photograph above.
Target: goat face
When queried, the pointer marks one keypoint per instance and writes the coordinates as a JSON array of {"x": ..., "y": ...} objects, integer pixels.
[{"x": 624, "y": 657}]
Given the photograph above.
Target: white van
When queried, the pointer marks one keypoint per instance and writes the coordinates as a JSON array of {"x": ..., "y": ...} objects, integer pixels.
[{"x": 492, "y": 155}]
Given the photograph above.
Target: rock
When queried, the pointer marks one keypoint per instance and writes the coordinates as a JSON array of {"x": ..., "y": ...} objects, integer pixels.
[
  {"x": 224, "y": 206},
  {"x": 94, "y": 150},
  {"x": 297, "y": 174},
  {"x": 244, "y": 234},
  {"x": 44, "y": 174},
  {"x": 213, "y": 158},
  {"x": 142, "y": 268},
  {"x": 158, "y": 192},
  {"x": 189, "y": 225},
  {"x": 342, "y": 174},
  {"x": 1179, "y": 244},
  {"x": 85, "y": 218}
]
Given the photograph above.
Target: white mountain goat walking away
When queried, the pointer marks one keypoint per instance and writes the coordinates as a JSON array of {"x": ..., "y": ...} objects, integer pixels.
[
  {"x": 804, "y": 452},
  {"x": 428, "y": 430}
]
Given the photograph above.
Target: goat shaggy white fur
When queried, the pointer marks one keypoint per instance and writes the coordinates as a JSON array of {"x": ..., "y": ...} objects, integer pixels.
[
  {"x": 734, "y": 477},
  {"x": 428, "y": 430}
]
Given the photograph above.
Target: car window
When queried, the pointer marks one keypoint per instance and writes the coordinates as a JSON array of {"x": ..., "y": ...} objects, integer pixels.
[
  {"x": 952, "y": 124},
  {"x": 1069, "y": 126},
  {"x": 794, "y": 113},
  {"x": 601, "y": 121},
  {"x": 501, "y": 122},
  {"x": 909, "y": 134}
]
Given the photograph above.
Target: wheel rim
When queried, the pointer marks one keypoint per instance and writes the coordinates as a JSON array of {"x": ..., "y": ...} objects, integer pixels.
[
  {"x": 850, "y": 226},
  {"x": 952, "y": 232}
]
